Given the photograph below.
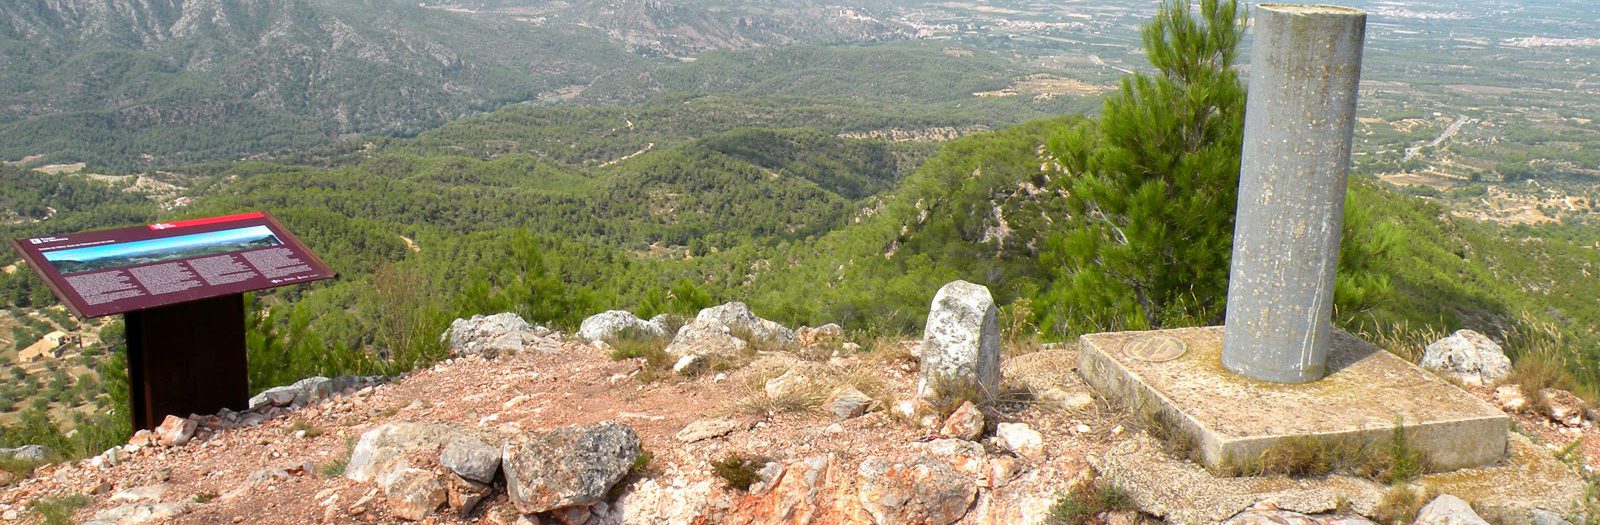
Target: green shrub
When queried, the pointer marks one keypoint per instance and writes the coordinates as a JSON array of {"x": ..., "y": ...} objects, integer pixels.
[
  {"x": 1082, "y": 505},
  {"x": 58, "y": 511},
  {"x": 738, "y": 471}
]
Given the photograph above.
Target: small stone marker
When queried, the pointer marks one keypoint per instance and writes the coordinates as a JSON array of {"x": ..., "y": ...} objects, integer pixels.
[
  {"x": 961, "y": 343},
  {"x": 1305, "y": 66}
]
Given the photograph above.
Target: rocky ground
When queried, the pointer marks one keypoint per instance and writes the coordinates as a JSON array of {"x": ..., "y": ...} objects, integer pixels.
[{"x": 820, "y": 436}]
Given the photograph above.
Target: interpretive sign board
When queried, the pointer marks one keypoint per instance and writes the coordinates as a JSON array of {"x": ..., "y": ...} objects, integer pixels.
[
  {"x": 117, "y": 271},
  {"x": 180, "y": 287}
]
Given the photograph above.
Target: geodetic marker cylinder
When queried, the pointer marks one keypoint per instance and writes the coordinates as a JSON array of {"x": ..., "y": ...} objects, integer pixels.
[{"x": 1305, "y": 66}]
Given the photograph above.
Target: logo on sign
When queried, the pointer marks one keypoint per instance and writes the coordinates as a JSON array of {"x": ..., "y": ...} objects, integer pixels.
[
  {"x": 36, "y": 241},
  {"x": 162, "y": 226}
]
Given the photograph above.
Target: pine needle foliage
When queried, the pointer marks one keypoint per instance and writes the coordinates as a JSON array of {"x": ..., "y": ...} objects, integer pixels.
[{"x": 1154, "y": 184}]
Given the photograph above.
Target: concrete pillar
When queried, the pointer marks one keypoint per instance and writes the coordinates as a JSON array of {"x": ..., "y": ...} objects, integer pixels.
[{"x": 1305, "y": 64}]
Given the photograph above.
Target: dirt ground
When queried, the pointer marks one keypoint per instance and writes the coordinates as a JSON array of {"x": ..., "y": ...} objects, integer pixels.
[{"x": 228, "y": 473}]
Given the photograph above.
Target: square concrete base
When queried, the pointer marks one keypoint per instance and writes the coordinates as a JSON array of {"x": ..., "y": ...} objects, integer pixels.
[{"x": 1230, "y": 421}]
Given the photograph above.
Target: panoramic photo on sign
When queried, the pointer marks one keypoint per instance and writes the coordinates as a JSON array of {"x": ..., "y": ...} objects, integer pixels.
[{"x": 115, "y": 271}]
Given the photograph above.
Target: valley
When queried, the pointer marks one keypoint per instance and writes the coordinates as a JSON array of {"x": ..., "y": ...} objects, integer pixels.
[{"x": 824, "y": 163}]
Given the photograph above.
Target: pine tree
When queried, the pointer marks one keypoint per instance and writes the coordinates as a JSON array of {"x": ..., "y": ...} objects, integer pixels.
[{"x": 1152, "y": 186}]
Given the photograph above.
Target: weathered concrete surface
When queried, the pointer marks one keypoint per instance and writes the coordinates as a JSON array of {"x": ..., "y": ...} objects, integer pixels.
[
  {"x": 1305, "y": 66},
  {"x": 1181, "y": 492},
  {"x": 1230, "y": 419}
]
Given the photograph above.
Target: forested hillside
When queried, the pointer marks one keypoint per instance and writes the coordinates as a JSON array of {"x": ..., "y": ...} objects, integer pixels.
[
  {"x": 134, "y": 83},
  {"x": 130, "y": 85},
  {"x": 821, "y": 184}
]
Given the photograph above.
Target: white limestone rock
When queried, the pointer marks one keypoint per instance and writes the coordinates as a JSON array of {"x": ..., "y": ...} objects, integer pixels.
[
  {"x": 653, "y": 502},
  {"x": 709, "y": 428},
  {"x": 488, "y": 336},
  {"x": 176, "y": 431},
  {"x": 1448, "y": 510},
  {"x": 1022, "y": 439},
  {"x": 383, "y": 451},
  {"x": 961, "y": 343},
  {"x": 413, "y": 494},
  {"x": 737, "y": 316},
  {"x": 571, "y": 466},
  {"x": 701, "y": 340},
  {"x": 1468, "y": 356},
  {"x": 925, "y": 490},
  {"x": 848, "y": 402},
  {"x": 608, "y": 325},
  {"x": 470, "y": 458},
  {"x": 29, "y": 453}
]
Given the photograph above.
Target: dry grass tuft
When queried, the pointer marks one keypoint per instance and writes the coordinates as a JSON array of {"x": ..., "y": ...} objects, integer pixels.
[
  {"x": 1389, "y": 461},
  {"x": 1401, "y": 338},
  {"x": 1018, "y": 334},
  {"x": 1542, "y": 358},
  {"x": 656, "y": 363},
  {"x": 949, "y": 393},
  {"x": 1400, "y": 504},
  {"x": 756, "y": 344},
  {"x": 301, "y": 425},
  {"x": 757, "y": 401}
]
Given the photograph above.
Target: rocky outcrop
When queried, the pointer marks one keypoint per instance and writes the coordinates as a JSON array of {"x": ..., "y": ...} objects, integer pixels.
[
  {"x": 961, "y": 344},
  {"x": 175, "y": 431},
  {"x": 709, "y": 429},
  {"x": 391, "y": 448},
  {"x": 738, "y": 318},
  {"x": 657, "y": 502},
  {"x": 723, "y": 333},
  {"x": 420, "y": 467},
  {"x": 1022, "y": 439},
  {"x": 489, "y": 336},
  {"x": 571, "y": 466},
  {"x": 827, "y": 334},
  {"x": 29, "y": 453},
  {"x": 413, "y": 494},
  {"x": 700, "y": 342},
  {"x": 800, "y": 380},
  {"x": 140, "y": 513},
  {"x": 925, "y": 490},
  {"x": 848, "y": 402},
  {"x": 310, "y": 390},
  {"x": 965, "y": 423},
  {"x": 1469, "y": 357},
  {"x": 470, "y": 458},
  {"x": 1448, "y": 510},
  {"x": 609, "y": 325}
]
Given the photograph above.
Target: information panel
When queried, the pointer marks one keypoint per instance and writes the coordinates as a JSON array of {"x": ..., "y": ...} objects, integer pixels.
[{"x": 115, "y": 271}]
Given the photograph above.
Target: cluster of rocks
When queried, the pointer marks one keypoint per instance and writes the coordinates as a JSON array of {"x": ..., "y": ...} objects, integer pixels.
[
  {"x": 972, "y": 466},
  {"x": 310, "y": 390},
  {"x": 1473, "y": 359},
  {"x": 724, "y": 333},
  {"x": 563, "y": 474},
  {"x": 1442, "y": 510},
  {"x": 606, "y": 326},
  {"x": 174, "y": 432},
  {"x": 490, "y": 336},
  {"x": 26, "y": 453},
  {"x": 1560, "y": 407}
]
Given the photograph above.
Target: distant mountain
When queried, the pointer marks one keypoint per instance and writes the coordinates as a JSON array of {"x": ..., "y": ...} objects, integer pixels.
[
  {"x": 129, "y": 83},
  {"x": 691, "y": 27},
  {"x": 137, "y": 84}
]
